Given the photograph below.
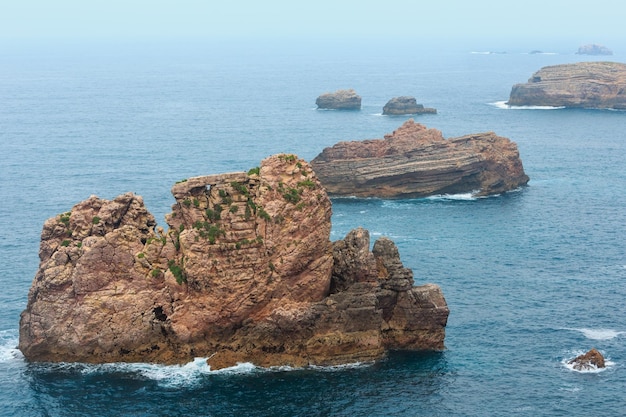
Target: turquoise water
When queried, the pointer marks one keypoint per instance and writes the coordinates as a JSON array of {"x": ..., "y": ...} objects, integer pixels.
[{"x": 532, "y": 278}]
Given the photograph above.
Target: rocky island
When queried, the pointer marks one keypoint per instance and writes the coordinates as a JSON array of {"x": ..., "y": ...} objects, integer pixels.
[
  {"x": 415, "y": 161},
  {"x": 593, "y": 49},
  {"x": 599, "y": 85},
  {"x": 339, "y": 100},
  {"x": 245, "y": 273},
  {"x": 406, "y": 105}
]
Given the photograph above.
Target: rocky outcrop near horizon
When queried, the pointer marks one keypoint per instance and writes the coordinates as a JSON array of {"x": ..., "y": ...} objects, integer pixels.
[
  {"x": 245, "y": 273},
  {"x": 404, "y": 105},
  {"x": 598, "y": 85},
  {"x": 339, "y": 100},
  {"x": 593, "y": 49},
  {"x": 415, "y": 161}
]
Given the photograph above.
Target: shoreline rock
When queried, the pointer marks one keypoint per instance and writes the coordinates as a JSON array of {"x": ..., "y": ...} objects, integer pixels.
[
  {"x": 245, "y": 273},
  {"x": 339, "y": 100},
  {"x": 600, "y": 85},
  {"x": 406, "y": 105},
  {"x": 415, "y": 161}
]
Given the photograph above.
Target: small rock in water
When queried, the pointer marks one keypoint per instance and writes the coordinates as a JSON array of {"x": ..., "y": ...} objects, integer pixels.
[{"x": 588, "y": 361}]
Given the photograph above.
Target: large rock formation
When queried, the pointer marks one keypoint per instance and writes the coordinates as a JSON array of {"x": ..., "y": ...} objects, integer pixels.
[
  {"x": 406, "y": 105},
  {"x": 339, "y": 100},
  {"x": 584, "y": 84},
  {"x": 593, "y": 49},
  {"x": 246, "y": 272},
  {"x": 415, "y": 161}
]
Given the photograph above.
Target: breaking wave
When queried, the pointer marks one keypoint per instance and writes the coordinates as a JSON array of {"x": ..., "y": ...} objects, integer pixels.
[
  {"x": 503, "y": 105},
  {"x": 8, "y": 346},
  {"x": 599, "y": 334}
]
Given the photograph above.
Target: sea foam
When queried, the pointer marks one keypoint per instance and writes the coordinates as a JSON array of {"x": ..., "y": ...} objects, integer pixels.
[
  {"x": 599, "y": 334},
  {"x": 8, "y": 346},
  {"x": 503, "y": 105}
]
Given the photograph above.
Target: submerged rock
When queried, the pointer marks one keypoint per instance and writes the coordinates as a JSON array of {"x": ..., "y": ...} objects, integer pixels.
[
  {"x": 584, "y": 84},
  {"x": 589, "y": 361},
  {"x": 406, "y": 105},
  {"x": 339, "y": 100},
  {"x": 245, "y": 273},
  {"x": 415, "y": 161}
]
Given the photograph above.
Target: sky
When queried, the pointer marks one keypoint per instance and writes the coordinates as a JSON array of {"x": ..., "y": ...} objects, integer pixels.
[{"x": 83, "y": 19}]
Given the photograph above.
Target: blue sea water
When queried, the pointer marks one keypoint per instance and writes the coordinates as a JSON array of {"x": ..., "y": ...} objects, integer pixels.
[{"x": 532, "y": 277}]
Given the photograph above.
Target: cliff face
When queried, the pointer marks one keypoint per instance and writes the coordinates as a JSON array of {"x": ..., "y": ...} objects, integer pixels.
[
  {"x": 415, "y": 161},
  {"x": 246, "y": 272},
  {"x": 585, "y": 84}
]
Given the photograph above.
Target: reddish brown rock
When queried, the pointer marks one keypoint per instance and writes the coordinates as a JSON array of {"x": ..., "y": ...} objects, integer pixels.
[
  {"x": 415, "y": 161},
  {"x": 245, "y": 272},
  {"x": 584, "y": 84},
  {"x": 589, "y": 361}
]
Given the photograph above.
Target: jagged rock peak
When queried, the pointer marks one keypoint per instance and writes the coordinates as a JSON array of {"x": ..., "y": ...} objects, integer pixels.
[{"x": 245, "y": 272}]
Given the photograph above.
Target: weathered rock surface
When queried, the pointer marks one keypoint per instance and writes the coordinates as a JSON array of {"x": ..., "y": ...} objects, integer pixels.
[
  {"x": 584, "y": 84},
  {"x": 246, "y": 272},
  {"x": 589, "y": 361},
  {"x": 415, "y": 161},
  {"x": 339, "y": 100},
  {"x": 406, "y": 105},
  {"x": 594, "y": 49}
]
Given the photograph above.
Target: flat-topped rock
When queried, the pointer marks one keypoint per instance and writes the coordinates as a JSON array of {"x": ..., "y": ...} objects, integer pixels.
[
  {"x": 600, "y": 85},
  {"x": 415, "y": 161},
  {"x": 339, "y": 100},
  {"x": 406, "y": 105}
]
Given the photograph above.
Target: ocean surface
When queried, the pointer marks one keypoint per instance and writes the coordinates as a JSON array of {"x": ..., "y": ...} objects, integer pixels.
[{"x": 532, "y": 278}]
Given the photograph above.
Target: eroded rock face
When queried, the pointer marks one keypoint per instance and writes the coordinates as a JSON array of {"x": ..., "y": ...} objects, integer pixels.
[
  {"x": 339, "y": 100},
  {"x": 589, "y": 361},
  {"x": 246, "y": 272},
  {"x": 415, "y": 161},
  {"x": 406, "y": 105},
  {"x": 584, "y": 84}
]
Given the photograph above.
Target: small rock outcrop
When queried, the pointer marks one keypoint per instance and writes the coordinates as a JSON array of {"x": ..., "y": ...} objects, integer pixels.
[
  {"x": 406, "y": 105},
  {"x": 593, "y": 49},
  {"x": 415, "y": 161},
  {"x": 245, "y": 273},
  {"x": 339, "y": 100},
  {"x": 585, "y": 84},
  {"x": 589, "y": 361}
]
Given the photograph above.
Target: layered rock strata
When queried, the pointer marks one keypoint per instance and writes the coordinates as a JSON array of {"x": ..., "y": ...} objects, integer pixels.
[
  {"x": 406, "y": 105},
  {"x": 415, "y": 161},
  {"x": 585, "y": 84},
  {"x": 339, "y": 100},
  {"x": 245, "y": 272}
]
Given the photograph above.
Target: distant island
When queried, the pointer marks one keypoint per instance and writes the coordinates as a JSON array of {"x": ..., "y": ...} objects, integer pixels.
[
  {"x": 593, "y": 49},
  {"x": 339, "y": 100},
  {"x": 406, "y": 105},
  {"x": 600, "y": 85},
  {"x": 415, "y": 161}
]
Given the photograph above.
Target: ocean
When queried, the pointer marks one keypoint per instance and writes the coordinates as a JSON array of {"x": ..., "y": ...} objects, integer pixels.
[{"x": 532, "y": 278}]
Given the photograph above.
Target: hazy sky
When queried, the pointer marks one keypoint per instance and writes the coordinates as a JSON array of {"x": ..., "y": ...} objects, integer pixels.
[{"x": 590, "y": 20}]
